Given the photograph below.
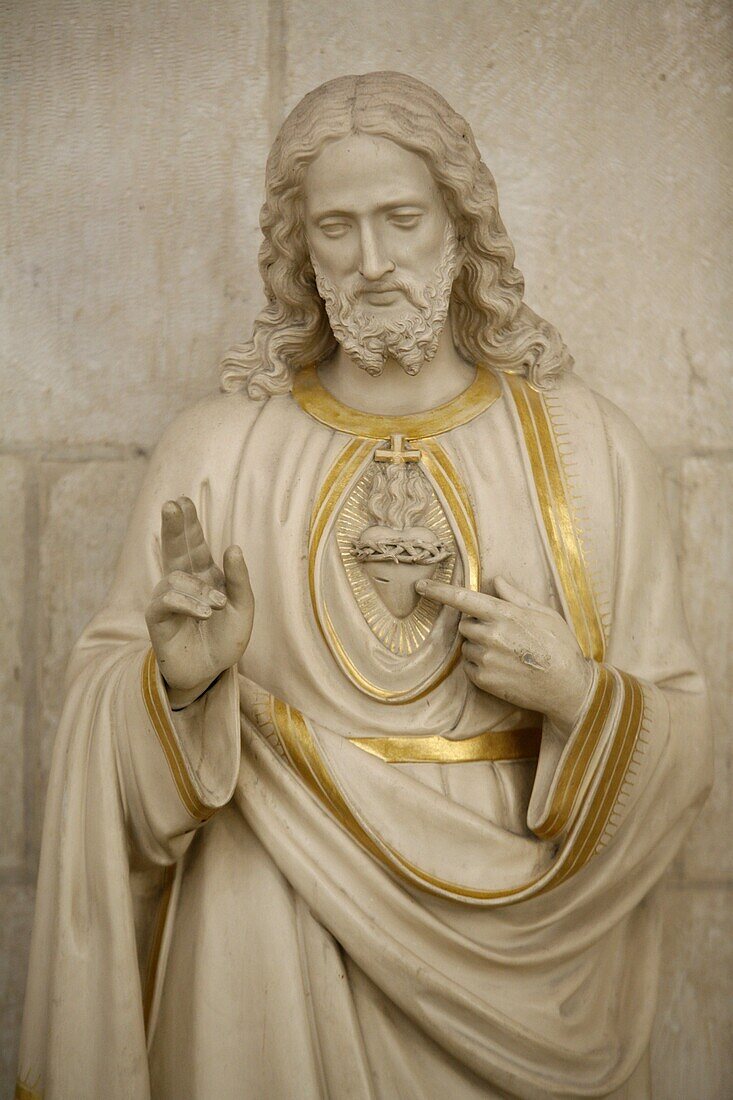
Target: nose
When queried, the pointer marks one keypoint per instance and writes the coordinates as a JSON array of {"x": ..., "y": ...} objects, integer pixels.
[{"x": 374, "y": 261}]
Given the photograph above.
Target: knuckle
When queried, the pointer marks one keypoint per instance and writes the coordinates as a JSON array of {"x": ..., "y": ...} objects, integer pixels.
[{"x": 481, "y": 679}]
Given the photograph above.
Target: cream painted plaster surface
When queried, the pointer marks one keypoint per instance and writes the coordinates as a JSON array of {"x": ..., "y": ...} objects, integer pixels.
[{"x": 134, "y": 141}]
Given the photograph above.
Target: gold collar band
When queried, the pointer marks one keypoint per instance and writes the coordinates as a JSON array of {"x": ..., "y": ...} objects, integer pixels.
[{"x": 315, "y": 400}]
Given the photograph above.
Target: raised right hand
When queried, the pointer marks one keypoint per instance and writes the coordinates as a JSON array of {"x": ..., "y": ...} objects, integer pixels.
[{"x": 199, "y": 618}]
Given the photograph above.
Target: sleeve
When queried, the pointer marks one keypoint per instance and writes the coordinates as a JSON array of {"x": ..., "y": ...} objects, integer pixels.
[
  {"x": 637, "y": 766},
  {"x": 174, "y": 769}
]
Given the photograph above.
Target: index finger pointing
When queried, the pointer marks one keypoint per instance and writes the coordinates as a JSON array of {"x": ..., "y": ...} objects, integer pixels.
[{"x": 476, "y": 604}]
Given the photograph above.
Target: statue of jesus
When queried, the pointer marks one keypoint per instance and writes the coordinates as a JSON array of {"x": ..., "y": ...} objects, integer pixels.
[{"x": 372, "y": 762}]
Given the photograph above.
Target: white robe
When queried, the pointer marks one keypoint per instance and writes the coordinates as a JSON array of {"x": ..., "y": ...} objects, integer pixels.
[{"x": 289, "y": 917}]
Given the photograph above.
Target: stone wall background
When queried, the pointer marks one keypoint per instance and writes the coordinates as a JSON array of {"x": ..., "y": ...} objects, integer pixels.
[{"x": 134, "y": 145}]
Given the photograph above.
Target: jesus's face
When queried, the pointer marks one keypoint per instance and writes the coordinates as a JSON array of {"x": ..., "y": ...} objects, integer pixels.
[{"x": 383, "y": 249}]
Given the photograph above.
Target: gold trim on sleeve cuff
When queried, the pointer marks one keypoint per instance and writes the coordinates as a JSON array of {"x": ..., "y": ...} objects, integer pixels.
[
  {"x": 574, "y": 765},
  {"x": 158, "y": 714},
  {"x": 614, "y": 772}
]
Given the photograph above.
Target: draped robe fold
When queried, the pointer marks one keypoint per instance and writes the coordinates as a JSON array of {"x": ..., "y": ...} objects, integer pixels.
[{"x": 237, "y": 901}]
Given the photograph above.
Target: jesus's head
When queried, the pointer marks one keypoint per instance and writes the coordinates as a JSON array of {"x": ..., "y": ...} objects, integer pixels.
[
  {"x": 380, "y": 222},
  {"x": 383, "y": 248}
]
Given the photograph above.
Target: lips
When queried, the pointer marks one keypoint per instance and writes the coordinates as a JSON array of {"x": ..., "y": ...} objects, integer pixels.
[{"x": 380, "y": 295}]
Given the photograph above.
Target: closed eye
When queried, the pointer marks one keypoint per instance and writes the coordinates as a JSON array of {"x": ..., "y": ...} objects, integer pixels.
[
  {"x": 334, "y": 228},
  {"x": 405, "y": 221}
]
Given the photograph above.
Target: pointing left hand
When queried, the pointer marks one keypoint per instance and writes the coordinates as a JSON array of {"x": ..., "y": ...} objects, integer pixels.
[{"x": 518, "y": 650}]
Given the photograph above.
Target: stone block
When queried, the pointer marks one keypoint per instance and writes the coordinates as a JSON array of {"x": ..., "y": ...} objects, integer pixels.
[
  {"x": 12, "y": 603},
  {"x": 707, "y": 553},
  {"x": 16, "y": 905},
  {"x": 602, "y": 125},
  {"x": 84, "y": 511},
  {"x": 692, "y": 1046},
  {"x": 137, "y": 137}
]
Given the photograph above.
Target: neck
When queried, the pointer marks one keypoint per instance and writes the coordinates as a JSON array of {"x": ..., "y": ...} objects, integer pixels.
[{"x": 393, "y": 391}]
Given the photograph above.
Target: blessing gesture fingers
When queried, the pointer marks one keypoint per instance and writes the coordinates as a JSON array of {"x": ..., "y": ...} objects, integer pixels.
[
  {"x": 518, "y": 650},
  {"x": 200, "y": 616}
]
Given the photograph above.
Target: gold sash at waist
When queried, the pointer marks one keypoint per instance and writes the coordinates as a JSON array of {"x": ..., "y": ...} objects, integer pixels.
[{"x": 513, "y": 744}]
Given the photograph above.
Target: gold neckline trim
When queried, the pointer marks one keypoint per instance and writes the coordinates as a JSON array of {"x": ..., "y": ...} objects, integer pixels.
[{"x": 315, "y": 400}]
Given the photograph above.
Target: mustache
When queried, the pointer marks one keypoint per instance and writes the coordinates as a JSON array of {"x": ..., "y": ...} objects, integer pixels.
[{"x": 414, "y": 293}]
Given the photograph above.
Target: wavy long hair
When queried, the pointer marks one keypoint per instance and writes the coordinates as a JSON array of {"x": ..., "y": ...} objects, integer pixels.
[{"x": 490, "y": 322}]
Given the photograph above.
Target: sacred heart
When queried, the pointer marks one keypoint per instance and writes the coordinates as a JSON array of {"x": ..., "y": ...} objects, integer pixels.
[
  {"x": 392, "y": 531},
  {"x": 394, "y": 583},
  {"x": 394, "y": 560}
]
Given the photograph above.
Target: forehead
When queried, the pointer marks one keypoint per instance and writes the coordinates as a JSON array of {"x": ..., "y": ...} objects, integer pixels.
[{"x": 360, "y": 173}]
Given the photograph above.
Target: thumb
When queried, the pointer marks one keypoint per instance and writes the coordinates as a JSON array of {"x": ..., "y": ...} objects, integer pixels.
[
  {"x": 507, "y": 591},
  {"x": 239, "y": 590}
]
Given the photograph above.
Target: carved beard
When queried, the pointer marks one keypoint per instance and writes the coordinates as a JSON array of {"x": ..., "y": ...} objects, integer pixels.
[{"x": 412, "y": 337}]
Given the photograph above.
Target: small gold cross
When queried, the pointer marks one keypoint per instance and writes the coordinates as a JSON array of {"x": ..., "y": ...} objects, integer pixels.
[{"x": 397, "y": 452}]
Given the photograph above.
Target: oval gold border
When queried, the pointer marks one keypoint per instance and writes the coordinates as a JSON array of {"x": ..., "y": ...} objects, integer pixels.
[{"x": 341, "y": 474}]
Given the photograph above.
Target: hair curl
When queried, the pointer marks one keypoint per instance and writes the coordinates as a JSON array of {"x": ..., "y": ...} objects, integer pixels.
[{"x": 490, "y": 322}]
